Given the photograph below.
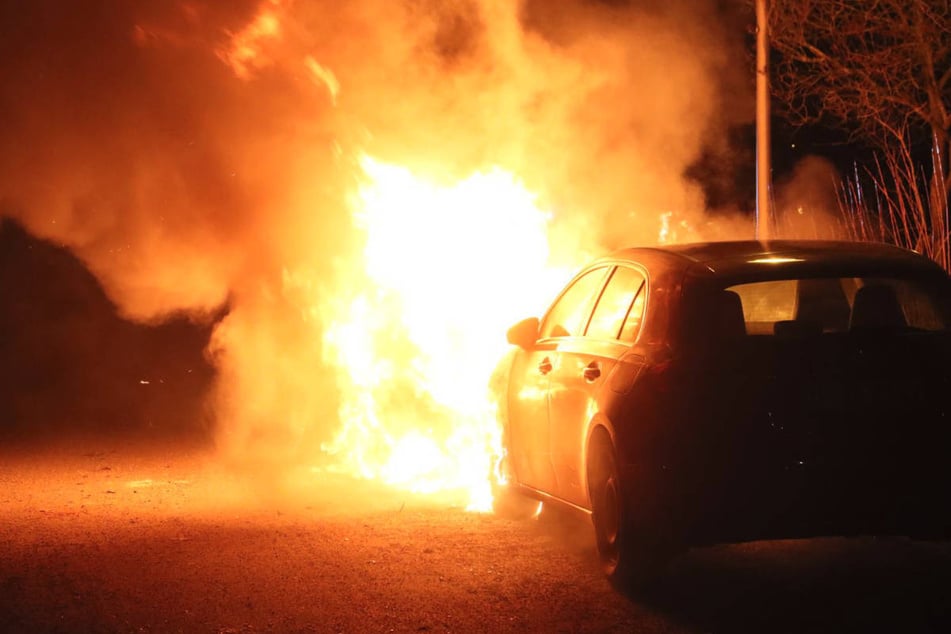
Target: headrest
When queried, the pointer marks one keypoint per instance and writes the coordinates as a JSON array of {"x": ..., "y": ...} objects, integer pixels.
[
  {"x": 876, "y": 306},
  {"x": 728, "y": 315}
]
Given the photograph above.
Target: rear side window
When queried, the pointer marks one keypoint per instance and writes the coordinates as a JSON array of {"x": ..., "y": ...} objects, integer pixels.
[
  {"x": 569, "y": 315},
  {"x": 913, "y": 304},
  {"x": 614, "y": 306},
  {"x": 632, "y": 325},
  {"x": 765, "y": 303}
]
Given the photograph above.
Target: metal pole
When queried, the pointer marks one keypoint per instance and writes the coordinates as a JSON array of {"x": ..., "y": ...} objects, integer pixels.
[{"x": 763, "y": 161}]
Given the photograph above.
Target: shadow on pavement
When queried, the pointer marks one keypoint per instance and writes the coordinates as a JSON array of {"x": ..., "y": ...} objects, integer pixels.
[
  {"x": 818, "y": 585},
  {"x": 811, "y": 585}
]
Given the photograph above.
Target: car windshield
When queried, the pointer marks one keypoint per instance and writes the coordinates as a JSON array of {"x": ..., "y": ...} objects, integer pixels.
[{"x": 842, "y": 304}]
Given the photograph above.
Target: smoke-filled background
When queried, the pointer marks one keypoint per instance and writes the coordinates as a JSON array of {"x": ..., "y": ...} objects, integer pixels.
[{"x": 202, "y": 159}]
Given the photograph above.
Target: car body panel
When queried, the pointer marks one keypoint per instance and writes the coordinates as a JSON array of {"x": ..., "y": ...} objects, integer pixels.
[
  {"x": 572, "y": 405},
  {"x": 529, "y": 442}
]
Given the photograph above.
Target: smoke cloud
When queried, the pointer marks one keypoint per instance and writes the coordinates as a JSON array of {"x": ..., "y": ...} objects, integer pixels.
[
  {"x": 199, "y": 155},
  {"x": 808, "y": 201}
]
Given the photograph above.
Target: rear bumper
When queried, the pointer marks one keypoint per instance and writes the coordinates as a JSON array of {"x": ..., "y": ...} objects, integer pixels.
[{"x": 702, "y": 509}]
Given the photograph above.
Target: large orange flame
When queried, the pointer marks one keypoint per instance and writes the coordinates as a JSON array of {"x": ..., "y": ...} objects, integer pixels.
[
  {"x": 246, "y": 50},
  {"x": 446, "y": 269}
]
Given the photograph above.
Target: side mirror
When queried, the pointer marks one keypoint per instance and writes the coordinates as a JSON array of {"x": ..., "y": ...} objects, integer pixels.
[{"x": 524, "y": 334}]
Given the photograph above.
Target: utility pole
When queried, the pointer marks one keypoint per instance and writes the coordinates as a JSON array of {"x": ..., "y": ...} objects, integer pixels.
[{"x": 763, "y": 160}]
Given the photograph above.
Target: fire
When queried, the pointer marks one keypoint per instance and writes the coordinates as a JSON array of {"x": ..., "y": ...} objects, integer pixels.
[
  {"x": 445, "y": 269},
  {"x": 247, "y": 46}
]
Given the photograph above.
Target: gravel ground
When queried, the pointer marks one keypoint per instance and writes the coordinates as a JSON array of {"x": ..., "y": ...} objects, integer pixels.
[{"x": 122, "y": 536}]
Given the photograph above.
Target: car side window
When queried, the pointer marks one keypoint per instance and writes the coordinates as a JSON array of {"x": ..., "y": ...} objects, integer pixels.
[
  {"x": 632, "y": 325},
  {"x": 615, "y": 305},
  {"x": 568, "y": 316},
  {"x": 835, "y": 305},
  {"x": 916, "y": 305}
]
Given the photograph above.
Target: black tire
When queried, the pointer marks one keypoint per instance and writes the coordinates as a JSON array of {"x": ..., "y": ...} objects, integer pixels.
[
  {"x": 629, "y": 558},
  {"x": 608, "y": 511}
]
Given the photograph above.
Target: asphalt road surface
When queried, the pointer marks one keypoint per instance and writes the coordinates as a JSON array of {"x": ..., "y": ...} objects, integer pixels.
[{"x": 116, "y": 536}]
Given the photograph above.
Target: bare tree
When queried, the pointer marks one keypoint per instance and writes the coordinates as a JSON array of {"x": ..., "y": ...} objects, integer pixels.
[{"x": 881, "y": 70}]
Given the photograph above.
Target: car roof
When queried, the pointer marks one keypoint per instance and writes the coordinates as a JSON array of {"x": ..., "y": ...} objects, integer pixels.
[{"x": 752, "y": 258}]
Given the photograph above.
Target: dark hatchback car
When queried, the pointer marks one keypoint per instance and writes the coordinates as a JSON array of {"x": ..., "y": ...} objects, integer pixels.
[{"x": 735, "y": 391}]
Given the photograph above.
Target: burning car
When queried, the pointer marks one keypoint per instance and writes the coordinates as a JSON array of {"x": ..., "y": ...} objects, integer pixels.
[{"x": 735, "y": 391}]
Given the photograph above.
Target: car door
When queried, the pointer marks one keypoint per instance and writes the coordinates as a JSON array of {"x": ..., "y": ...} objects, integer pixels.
[
  {"x": 529, "y": 444},
  {"x": 583, "y": 364}
]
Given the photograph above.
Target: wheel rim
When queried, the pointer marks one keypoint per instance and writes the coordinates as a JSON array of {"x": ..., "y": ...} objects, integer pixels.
[
  {"x": 610, "y": 517},
  {"x": 607, "y": 516}
]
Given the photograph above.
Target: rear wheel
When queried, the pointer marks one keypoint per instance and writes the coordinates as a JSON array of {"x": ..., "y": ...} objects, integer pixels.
[
  {"x": 608, "y": 512},
  {"x": 628, "y": 556}
]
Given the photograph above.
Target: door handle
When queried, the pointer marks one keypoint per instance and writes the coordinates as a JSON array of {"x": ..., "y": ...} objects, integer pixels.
[
  {"x": 592, "y": 371},
  {"x": 545, "y": 366}
]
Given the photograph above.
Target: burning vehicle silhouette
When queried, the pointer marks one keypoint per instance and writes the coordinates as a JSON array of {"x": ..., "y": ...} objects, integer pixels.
[{"x": 723, "y": 392}]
